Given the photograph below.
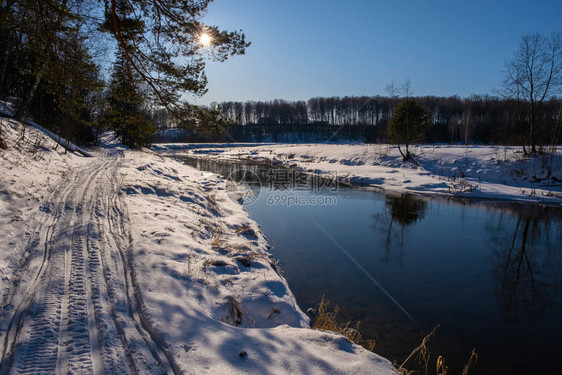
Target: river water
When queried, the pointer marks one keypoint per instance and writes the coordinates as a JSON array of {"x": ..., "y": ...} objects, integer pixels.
[{"x": 490, "y": 274}]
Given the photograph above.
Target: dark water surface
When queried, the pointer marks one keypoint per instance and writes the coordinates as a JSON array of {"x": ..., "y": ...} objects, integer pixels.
[{"x": 490, "y": 274}]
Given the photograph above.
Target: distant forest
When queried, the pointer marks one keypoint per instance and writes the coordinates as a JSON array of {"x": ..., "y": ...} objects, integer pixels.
[
  {"x": 55, "y": 54},
  {"x": 473, "y": 120}
]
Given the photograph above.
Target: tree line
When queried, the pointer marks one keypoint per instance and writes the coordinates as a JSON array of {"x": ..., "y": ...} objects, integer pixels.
[{"x": 474, "y": 120}]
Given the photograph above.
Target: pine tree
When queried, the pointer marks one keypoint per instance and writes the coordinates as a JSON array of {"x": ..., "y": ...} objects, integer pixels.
[
  {"x": 126, "y": 107},
  {"x": 161, "y": 41},
  {"x": 408, "y": 124},
  {"x": 160, "y": 49},
  {"x": 45, "y": 63},
  {"x": 126, "y": 101},
  {"x": 67, "y": 98}
]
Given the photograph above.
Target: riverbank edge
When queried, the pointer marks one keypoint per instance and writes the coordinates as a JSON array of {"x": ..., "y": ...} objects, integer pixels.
[
  {"x": 258, "y": 299},
  {"x": 346, "y": 171}
]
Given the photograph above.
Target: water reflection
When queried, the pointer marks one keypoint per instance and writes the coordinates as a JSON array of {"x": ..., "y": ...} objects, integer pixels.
[
  {"x": 404, "y": 210},
  {"x": 257, "y": 172},
  {"x": 526, "y": 264},
  {"x": 480, "y": 271},
  {"x": 256, "y": 176}
]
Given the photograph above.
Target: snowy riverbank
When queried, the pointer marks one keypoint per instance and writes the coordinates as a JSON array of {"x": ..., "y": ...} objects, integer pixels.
[
  {"x": 137, "y": 263},
  {"x": 483, "y": 172}
]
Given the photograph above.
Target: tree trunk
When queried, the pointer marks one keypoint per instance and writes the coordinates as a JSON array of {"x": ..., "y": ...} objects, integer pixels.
[
  {"x": 532, "y": 130},
  {"x": 404, "y": 157},
  {"x": 407, "y": 152},
  {"x": 6, "y": 53},
  {"x": 24, "y": 106},
  {"x": 4, "y": 68},
  {"x": 23, "y": 109}
]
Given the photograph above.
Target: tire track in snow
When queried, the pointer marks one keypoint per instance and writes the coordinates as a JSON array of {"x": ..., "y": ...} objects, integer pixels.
[
  {"x": 34, "y": 253},
  {"x": 58, "y": 299},
  {"x": 82, "y": 311},
  {"x": 79, "y": 333},
  {"x": 141, "y": 335},
  {"x": 20, "y": 297}
]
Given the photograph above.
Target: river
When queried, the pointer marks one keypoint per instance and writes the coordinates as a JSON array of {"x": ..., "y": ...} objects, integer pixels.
[{"x": 489, "y": 273}]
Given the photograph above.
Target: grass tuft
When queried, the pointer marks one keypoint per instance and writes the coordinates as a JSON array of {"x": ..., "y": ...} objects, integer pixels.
[
  {"x": 326, "y": 320},
  {"x": 235, "y": 312},
  {"x": 423, "y": 356},
  {"x": 471, "y": 361}
]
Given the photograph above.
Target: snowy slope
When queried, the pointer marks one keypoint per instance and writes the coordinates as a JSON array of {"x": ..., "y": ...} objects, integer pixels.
[
  {"x": 490, "y": 172},
  {"x": 128, "y": 262}
]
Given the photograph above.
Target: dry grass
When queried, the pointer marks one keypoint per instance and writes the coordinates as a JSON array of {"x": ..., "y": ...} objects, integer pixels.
[
  {"x": 214, "y": 262},
  {"x": 461, "y": 185},
  {"x": 326, "y": 321},
  {"x": 246, "y": 230},
  {"x": 275, "y": 264},
  {"x": 235, "y": 313},
  {"x": 471, "y": 361},
  {"x": 423, "y": 355},
  {"x": 212, "y": 203},
  {"x": 216, "y": 242}
]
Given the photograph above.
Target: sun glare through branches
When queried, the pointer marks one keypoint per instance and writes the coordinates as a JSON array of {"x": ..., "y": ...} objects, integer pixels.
[{"x": 205, "y": 40}]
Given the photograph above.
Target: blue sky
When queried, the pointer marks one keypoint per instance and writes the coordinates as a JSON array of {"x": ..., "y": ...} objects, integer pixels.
[{"x": 307, "y": 48}]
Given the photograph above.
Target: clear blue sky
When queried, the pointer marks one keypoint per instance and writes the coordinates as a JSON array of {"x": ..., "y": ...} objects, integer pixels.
[{"x": 306, "y": 48}]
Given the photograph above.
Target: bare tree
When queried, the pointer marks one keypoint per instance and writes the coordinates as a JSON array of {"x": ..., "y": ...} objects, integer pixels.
[
  {"x": 406, "y": 88},
  {"x": 534, "y": 74},
  {"x": 393, "y": 91}
]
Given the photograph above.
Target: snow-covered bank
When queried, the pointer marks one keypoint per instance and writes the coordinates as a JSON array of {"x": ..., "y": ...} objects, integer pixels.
[
  {"x": 135, "y": 263},
  {"x": 488, "y": 172},
  {"x": 213, "y": 283}
]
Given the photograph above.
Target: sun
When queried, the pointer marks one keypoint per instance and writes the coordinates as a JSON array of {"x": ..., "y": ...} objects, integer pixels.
[{"x": 205, "y": 40}]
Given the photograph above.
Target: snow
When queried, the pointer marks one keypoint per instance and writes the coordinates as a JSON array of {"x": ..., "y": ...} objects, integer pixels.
[
  {"x": 129, "y": 262},
  {"x": 481, "y": 172},
  {"x": 7, "y": 109}
]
